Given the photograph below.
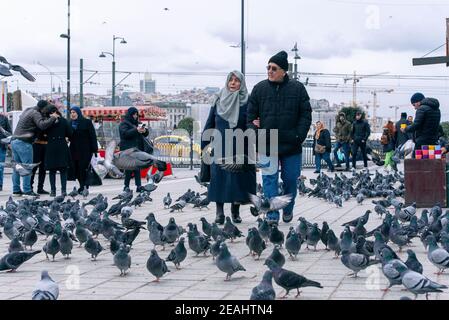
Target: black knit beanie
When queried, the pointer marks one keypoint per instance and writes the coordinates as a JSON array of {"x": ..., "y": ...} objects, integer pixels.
[{"x": 281, "y": 59}]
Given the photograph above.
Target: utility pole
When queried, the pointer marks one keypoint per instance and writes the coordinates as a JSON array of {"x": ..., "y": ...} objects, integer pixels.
[
  {"x": 243, "y": 37},
  {"x": 375, "y": 106},
  {"x": 81, "y": 84},
  {"x": 68, "y": 62},
  {"x": 297, "y": 57},
  {"x": 435, "y": 60}
]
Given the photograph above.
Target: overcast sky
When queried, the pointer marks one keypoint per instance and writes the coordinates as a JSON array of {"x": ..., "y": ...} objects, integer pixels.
[{"x": 334, "y": 36}]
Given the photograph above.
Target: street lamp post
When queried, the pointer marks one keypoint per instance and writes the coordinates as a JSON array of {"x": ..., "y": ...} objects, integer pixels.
[
  {"x": 103, "y": 55},
  {"x": 67, "y": 36},
  {"x": 396, "y": 108}
]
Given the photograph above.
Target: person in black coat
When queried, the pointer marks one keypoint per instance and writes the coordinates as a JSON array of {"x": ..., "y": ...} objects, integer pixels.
[
  {"x": 83, "y": 145},
  {"x": 360, "y": 134},
  {"x": 322, "y": 137},
  {"x": 228, "y": 114},
  {"x": 131, "y": 136},
  {"x": 401, "y": 137},
  {"x": 5, "y": 132},
  {"x": 57, "y": 155}
]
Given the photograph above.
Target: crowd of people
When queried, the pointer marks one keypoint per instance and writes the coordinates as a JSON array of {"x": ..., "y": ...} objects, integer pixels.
[{"x": 44, "y": 136}]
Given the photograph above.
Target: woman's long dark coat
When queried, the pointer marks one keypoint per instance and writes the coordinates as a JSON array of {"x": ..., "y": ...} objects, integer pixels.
[{"x": 57, "y": 155}]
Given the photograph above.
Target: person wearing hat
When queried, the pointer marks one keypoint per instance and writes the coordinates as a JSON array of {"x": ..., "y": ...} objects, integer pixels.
[
  {"x": 342, "y": 131},
  {"x": 30, "y": 121},
  {"x": 360, "y": 133},
  {"x": 401, "y": 137},
  {"x": 281, "y": 104},
  {"x": 131, "y": 136},
  {"x": 83, "y": 145},
  {"x": 427, "y": 121}
]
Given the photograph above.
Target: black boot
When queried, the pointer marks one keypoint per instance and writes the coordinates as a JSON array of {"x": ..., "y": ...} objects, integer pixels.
[
  {"x": 220, "y": 218},
  {"x": 235, "y": 210}
]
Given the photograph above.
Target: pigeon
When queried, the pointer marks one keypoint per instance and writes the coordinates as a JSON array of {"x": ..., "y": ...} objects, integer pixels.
[
  {"x": 364, "y": 219},
  {"x": 66, "y": 244},
  {"x": 23, "y": 169},
  {"x": 277, "y": 257},
  {"x": 15, "y": 246},
  {"x": 74, "y": 193},
  {"x": 81, "y": 233},
  {"x": 324, "y": 236},
  {"x": 438, "y": 256},
  {"x": 156, "y": 235},
  {"x": 416, "y": 283},
  {"x": 313, "y": 236},
  {"x": 206, "y": 226},
  {"x": 231, "y": 229},
  {"x": 178, "y": 206},
  {"x": 256, "y": 244},
  {"x": 171, "y": 231},
  {"x": 198, "y": 243},
  {"x": 276, "y": 236},
  {"x": 289, "y": 280},
  {"x": 228, "y": 263},
  {"x": 333, "y": 243},
  {"x": 52, "y": 247},
  {"x": 167, "y": 201},
  {"x": 388, "y": 269},
  {"x": 356, "y": 262},
  {"x": 12, "y": 261},
  {"x": 46, "y": 288},
  {"x": 178, "y": 254},
  {"x": 85, "y": 192},
  {"x": 264, "y": 205},
  {"x": 264, "y": 229},
  {"x": 122, "y": 260},
  {"x": 412, "y": 262},
  {"x": 93, "y": 247},
  {"x": 293, "y": 245},
  {"x": 360, "y": 198},
  {"x": 156, "y": 266},
  {"x": 264, "y": 291},
  {"x": 215, "y": 247}
]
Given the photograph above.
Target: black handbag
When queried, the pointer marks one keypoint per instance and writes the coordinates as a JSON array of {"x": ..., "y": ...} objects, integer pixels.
[
  {"x": 92, "y": 178},
  {"x": 204, "y": 175}
]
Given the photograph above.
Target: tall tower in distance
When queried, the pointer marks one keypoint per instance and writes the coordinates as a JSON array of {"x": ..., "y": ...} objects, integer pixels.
[{"x": 148, "y": 85}]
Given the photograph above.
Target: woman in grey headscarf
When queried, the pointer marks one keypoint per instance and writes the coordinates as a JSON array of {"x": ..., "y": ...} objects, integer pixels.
[{"x": 228, "y": 113}]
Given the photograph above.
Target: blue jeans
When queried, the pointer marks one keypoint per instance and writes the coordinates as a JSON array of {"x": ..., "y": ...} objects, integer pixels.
[
  {"x": 326, "y": 157},
  {"x": 290, "y": 172},
  {"x": 22, "y": 152},
  {"x": 346, "y": 149},
  {"x": 2, "y": 159}
]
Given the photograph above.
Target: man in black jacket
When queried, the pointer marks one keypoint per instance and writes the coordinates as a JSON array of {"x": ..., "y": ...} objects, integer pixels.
[
  {"x": 281, "y": 104},
  {"x": 427, "y": 121},
  {"x": 4, "y": 124},
  {"x": 131, "y": 136},
  {"x": 360, "y": 134}
]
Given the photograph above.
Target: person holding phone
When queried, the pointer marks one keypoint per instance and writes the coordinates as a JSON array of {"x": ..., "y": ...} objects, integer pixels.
[{"x": 132, "y": 135}]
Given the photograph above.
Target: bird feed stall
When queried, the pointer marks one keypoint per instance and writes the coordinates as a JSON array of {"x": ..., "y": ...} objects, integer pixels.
[
  {"x": 107, "y": 120},
  {"x": 425, "y": 182}
]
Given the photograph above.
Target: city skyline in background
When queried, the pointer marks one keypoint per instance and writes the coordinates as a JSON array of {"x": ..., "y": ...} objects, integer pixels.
[{"x": 185, "y": 45}]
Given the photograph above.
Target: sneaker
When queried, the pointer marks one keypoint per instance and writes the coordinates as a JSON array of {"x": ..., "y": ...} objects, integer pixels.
[
  {"x": 140, "y": 189},
  {"x": 316, "y": 171},
  {"x": 53, "y": 194},
  {"x": 31, "y": 194},
  {"x": 287, "y": 217},
  {"x": 18, "y": 194},
  {"x": 43, "y": 192},
  {"x": 338, "y": 166}
]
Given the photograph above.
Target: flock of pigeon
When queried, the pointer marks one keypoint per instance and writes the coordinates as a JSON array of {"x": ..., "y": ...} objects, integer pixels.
[{"x": 64, "y": 222}]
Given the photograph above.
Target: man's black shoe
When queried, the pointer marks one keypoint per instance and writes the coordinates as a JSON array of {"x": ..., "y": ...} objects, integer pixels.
[
  {"x": 43, "y": 192},
  {"x": 31, "y": 194},
  {"x": 18, "y": 194}
]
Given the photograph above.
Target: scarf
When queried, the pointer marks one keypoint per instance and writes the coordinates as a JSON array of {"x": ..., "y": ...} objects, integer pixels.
[
  {"x": 228, "y": 103},
  {"x": 77, "y": 121},
  {"x": 318, "y": 132}
]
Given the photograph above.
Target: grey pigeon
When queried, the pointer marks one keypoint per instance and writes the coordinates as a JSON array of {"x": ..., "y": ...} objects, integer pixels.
[
  {"x": 156, "y": 236},
  {"x": 231, "y": 229},
  {"x": 264, "y": 290},
  {"x": 178, "y": 254},
  {"x": 255, "y": 243},
  {"x": 81, "y": 233},
  {"x": 215, "y": 247},
  {"x": 178, "y": 206},
  {"x": 228, "y": 263},
  {"x": 66, "y": 244},
  {"x": 15, "y": 246},
  {"x": 277, "y": 257},
  {"x": 313, "y": 236},
  {"x": 122, "y": 259},
  {"x": 156, "y": 266},
  {"x": 93, "y": 247},
  {"x": 12, "y": 261},
  {"x": 264, "y": 229},
  {"x": 46, "y": 288},
  {"x": 52, "y": 247},
  {"x": 289, "y": 280},
  {"x": 364, "y": 219},
  {"x": 412, "y": 262},
  {"x": 74, "y": 193},
  {"x": 438, "y": 256},
  {"x": 206, "y": 226},
  {"x": 416, "y": 283},
  {"x": 356, "y": 262},
  {"x": 276, "y": 236},
  {"x": 389, "y": 270},
  {"x": 198, "y": 243},
  {"x": 264, "y": 205},
  {"x": 167, "y": 201},
  {"x": 333, "y": 242},
  {"x": 293, "y": 245},
  {"x": 171, "y": 231},
  {"x": 324, "y": 236}
]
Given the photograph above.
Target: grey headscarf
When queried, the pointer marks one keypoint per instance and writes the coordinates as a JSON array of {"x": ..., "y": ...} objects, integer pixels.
[{"x": 228, "y": 103}]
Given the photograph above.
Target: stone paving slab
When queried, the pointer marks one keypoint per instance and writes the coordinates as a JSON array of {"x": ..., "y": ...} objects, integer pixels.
[{"x": 199, "y": 279}]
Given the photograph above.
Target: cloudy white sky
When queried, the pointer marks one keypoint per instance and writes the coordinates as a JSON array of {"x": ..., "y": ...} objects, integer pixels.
[{"x": 334, "y": 36}]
